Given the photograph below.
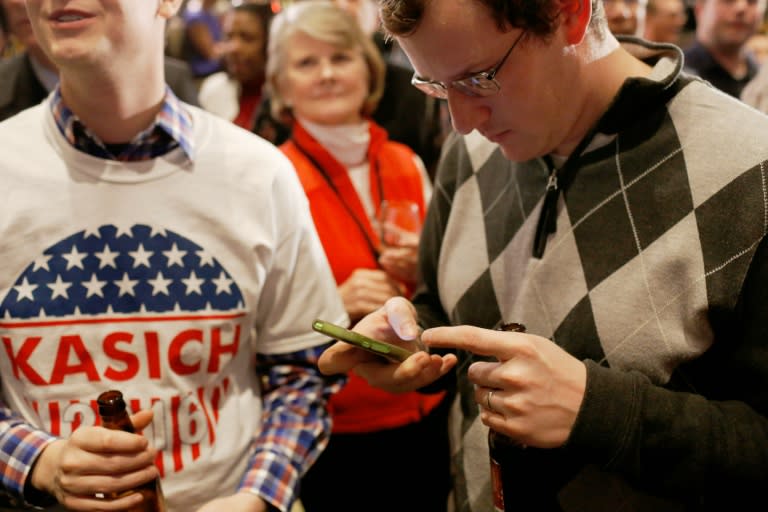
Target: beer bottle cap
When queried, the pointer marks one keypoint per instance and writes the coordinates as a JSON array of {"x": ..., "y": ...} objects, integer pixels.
[{"x": 110, "y": 402}]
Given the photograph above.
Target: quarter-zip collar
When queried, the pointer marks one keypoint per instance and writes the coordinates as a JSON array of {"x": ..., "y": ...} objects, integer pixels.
[{"x": 637, "y": 96}]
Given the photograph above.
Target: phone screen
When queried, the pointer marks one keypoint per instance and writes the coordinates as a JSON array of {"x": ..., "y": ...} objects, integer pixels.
[{"x": 382, "y": 348}]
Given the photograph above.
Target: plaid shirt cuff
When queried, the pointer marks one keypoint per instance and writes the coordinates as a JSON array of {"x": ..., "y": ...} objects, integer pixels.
[
  {"x": 20, "y": 445},
  {"x": 296, "y": 424},
  {"x": 272, "y": 479}
]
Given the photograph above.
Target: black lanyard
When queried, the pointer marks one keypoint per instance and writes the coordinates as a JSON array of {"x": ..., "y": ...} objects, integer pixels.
[{"x": 358, "y": 222}]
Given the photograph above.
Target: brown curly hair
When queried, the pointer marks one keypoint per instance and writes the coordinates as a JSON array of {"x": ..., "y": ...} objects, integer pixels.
[{"x": 537, "y": 17}]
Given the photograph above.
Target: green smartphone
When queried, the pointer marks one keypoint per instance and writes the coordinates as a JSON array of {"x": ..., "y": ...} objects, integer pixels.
[{"x": 381, "y": 348}]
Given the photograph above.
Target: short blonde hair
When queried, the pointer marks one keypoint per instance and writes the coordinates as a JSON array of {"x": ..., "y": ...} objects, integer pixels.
[{"x": 324, "y": 21}]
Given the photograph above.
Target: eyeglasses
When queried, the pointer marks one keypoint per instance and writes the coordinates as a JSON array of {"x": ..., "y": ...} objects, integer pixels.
[{"x": 480, "y": 84}]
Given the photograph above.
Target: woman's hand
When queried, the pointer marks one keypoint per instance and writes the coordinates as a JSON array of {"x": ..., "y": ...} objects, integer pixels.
[
  {"x": 401, "y": 261},
  {"x": 366, "y": 290}
]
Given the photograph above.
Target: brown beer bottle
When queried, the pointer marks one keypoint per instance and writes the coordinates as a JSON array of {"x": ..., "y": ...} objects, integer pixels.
[
  {"x": 114, "y": 416},
  {"x": 518, "y": 483}
]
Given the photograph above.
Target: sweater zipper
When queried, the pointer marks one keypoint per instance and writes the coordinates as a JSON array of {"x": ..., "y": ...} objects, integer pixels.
[{"x": 548, "y": 217}]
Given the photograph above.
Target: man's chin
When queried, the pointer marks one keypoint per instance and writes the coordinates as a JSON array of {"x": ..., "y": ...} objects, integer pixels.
[{"x": 516, "y": 153}]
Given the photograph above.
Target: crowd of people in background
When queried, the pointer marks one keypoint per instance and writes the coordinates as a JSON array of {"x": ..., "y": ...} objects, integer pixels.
[
  {"x": 723, "y": 41},
  {"x": 260, "y": 66},
  {"x": 223, "y": 53},
  {"x": 222, "y": 45}
]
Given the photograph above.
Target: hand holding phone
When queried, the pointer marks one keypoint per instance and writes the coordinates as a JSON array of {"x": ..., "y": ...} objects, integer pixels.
[{"x": 389, "y": 351}]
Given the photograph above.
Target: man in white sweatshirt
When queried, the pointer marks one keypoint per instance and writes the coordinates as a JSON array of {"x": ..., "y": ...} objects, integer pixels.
[{"x": 151, "y": 247}]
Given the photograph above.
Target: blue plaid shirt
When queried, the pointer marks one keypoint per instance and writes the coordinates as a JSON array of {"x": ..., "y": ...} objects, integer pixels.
[
  {"x": 172, "y": 128},
  {"x": 295, "y": 429}
]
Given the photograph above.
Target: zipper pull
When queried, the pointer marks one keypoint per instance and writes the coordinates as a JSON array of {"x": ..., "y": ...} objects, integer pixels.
[
  {"x": 552, "y": 181},
  {"x": 548, "y": 217}
]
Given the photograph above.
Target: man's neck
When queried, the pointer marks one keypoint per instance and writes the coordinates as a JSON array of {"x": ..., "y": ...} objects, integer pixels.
[
  {"x": 731, "y": 58},
  {"x": 605, "y": 76},
  {"x": 114, "y": 108}
]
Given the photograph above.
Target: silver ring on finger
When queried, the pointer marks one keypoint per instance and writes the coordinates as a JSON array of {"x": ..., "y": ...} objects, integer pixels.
[{"x": 488, "y": 401}]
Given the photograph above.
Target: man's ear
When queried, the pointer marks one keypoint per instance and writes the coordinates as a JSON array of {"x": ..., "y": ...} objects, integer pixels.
[
  {"x": 168, "y": 8},
  {"x": 575, "y": 17}
]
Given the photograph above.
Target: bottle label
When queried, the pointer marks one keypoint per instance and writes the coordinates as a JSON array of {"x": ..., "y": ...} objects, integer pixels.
[{"x": 496, "y": 486}]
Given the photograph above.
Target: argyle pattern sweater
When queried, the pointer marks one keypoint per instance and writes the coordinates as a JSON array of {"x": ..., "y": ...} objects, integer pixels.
[{"x": 655, "y": 273}]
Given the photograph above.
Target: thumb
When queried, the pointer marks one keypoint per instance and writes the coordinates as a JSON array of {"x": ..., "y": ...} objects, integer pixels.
[{"x": 142, "y": 419}]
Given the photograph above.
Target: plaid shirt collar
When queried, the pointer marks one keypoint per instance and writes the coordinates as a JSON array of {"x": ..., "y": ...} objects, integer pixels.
[{"x": 172, "y": 128}]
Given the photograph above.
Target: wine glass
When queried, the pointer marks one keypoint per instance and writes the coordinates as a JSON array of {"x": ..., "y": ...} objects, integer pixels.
[{"x": 399, "y": 222}]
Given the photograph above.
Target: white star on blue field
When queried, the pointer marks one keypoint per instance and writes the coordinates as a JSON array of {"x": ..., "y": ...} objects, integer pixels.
[{"x": 121, "y": 270}]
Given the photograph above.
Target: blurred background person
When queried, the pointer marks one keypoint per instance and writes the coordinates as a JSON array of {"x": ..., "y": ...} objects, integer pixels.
[
  {"x": 5, "y": 37},
  {"x": 625, "y": 17},
  {"x": 664, "y": 21},
  {"x": 719, "y": 53},
  {"x": 202, "y": 45},
  {"x": 755, "y": 93},
  {"x": 366, "y": 14},
  {"x": 235, "y": 94},
  {"x": 9, "y": 44},
  {"x": 758, "y": 45},
  {"x": 401, "y": 103},
  {"x": 325, "y": 77},
  {"x": 28, "y": 77}
]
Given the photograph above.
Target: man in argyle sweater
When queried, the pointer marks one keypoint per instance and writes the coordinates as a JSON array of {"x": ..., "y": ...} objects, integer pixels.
[
  {"x": 642, "y": 275},
  {"x": 618, "y": 209}
]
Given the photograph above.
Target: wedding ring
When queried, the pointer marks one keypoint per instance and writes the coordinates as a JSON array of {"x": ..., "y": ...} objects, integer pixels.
[{"x": 488, "y": 401}]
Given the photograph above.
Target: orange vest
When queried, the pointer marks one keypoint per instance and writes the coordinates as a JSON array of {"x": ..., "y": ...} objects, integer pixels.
[{"x": 349, "y": 244}]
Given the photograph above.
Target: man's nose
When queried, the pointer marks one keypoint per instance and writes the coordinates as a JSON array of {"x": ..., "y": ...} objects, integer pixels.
[{"x": 467, "y": 113}]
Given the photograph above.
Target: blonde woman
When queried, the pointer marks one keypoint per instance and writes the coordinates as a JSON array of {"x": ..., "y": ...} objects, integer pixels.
[{"x": 325, "y": 77}]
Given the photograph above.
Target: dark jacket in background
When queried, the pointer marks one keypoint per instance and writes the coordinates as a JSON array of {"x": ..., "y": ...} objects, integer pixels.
[
  {"x": 410, "y": 116},
  {"x": 700, "y": 62},
  {"x": 20, "y": 88}
]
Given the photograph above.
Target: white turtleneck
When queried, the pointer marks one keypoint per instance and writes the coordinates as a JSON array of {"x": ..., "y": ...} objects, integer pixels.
[{"x": 348, "y": 143}]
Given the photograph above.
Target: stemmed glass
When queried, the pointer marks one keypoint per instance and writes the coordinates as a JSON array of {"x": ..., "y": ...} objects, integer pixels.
[{"x": 399, "y": 223}]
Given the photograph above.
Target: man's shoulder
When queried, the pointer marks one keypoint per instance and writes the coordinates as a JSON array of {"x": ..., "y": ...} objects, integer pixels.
[
  {"x": 721, "y": 139},
  {"x": 715, "y": 111},
  {"x": 22, "y": 130},
  {"x": 223, "y": 137},
  {"x": 29, "y": 115},
  {"x": 217, "y": 126}
]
